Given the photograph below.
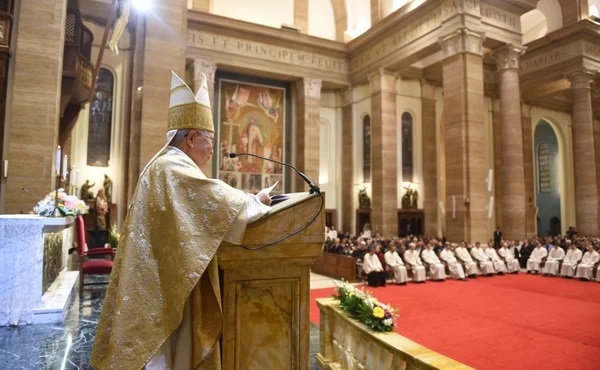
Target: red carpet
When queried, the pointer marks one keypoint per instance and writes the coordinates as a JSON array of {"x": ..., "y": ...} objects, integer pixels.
[{"x": 501, "y": 322}]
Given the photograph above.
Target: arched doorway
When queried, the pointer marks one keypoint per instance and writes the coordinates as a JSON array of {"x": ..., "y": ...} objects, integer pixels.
[{"x": 546, "y": 158}]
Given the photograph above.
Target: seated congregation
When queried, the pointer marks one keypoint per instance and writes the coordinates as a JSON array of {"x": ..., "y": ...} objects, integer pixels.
[{"x": 379, "y": 259}]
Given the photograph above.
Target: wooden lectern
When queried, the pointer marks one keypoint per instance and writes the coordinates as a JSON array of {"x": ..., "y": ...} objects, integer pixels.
[{"x": 266, "y": 291}]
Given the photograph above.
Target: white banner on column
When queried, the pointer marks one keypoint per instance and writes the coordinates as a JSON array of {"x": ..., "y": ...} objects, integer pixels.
[{"x": 491, "y": 207}]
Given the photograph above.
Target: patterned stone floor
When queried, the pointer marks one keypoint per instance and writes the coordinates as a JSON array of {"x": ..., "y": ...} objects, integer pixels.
[{"x": 68, "y": 345}]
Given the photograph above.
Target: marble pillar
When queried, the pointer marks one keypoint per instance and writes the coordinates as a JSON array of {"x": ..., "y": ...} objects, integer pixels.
[
  {"x": 347, "y": 163},
  {"x": 32, "y": 126},
  {"x": 307, "y": 133},
  {"x": 164, "y": 51},
  {"x": 384, "y": 154},
  {"x": 584, "y": 153},
  {"x": 430, "y": 149},
  {"x": 208, "y": 68},
  {"x": 513, "y": 200},
  {"x": 466, "y": 169},
  {"x": 498, "y": 168}
]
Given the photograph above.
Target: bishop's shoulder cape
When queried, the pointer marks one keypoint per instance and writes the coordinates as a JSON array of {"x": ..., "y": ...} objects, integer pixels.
[{"x": 175, "y": 223}]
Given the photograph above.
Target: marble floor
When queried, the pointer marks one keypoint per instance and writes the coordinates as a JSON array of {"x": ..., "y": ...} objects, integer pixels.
[{"x": 68, "y": 345}]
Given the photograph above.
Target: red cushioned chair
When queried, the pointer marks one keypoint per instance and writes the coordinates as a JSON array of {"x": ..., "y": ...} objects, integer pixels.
[{"x": 94, "y": 266}]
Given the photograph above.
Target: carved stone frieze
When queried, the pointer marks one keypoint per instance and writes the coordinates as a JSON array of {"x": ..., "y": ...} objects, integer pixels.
[
  {"x": 508, "y": 56},
  {"x": 207, "y": 67},
  {"x": 462, "y": 40}
]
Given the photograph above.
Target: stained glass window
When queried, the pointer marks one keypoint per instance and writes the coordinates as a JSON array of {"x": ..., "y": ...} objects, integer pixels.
[{"x": 100, "y": 123}]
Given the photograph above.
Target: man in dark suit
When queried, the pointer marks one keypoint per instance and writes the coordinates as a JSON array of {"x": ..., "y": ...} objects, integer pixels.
[{"x": 497, "y": 237}]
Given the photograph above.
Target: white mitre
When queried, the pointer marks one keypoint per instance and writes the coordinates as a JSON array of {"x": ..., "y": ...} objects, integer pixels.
[{"x": 189, "y": 111}]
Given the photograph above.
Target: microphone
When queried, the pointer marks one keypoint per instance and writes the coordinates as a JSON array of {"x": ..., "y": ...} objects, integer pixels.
[{"x": 313, "y": 187}]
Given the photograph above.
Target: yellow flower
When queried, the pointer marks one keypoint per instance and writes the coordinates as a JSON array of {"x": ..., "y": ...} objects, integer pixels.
[{"x": 378, "y": 312}]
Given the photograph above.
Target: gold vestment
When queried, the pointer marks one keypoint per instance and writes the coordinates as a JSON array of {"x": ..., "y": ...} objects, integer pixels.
[{"x": 176, "y": 222}]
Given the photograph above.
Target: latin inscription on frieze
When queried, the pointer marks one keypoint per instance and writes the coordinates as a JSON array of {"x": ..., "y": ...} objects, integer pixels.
[
  {"x": 591, "y": 50},
  {"x": 550, "y": 58},
  {"x": 237, "y": 46},
  {"x": 451, "y": 7},
  {"x": 398, "y": 39},
  {"x": 500, "y": 18}
]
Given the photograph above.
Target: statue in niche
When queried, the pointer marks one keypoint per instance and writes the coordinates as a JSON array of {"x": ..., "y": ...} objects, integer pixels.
[
  {"x": 107, "y": 185},
  {"x": 414, "y": 199},
  {"x": 101, "y": 209},
  {"x": 363, "y": 199},
  {"x": 407, "y": 198},
  {"x": 86, "y": 194}
]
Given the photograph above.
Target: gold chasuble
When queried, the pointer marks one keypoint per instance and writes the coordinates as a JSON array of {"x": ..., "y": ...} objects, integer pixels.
[{"x": 176, "y": 222}]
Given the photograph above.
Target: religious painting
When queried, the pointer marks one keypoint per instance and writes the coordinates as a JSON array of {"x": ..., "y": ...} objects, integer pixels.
[
  {"x": 407, "y": 147},
  {"x": 251, "y": 121},
  {"x": 100, "y": 123},
  {"x": 367, "y": 148}
]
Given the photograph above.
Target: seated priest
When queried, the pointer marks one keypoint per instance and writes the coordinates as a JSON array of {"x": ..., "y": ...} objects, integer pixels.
[
  {"x": 537, "y": 257},
  {"x": 437, "y": 270},
  {"x": 163, "y": 304},
  {"x": 412, "y": 259},
  {"x": 585, "y": 269},
  {"x": 456, "y": 269},
  {"x": 372, "y": 267},
  {"x": 485, "y": 264},
  {"x": 490, "y": 251},
  {"x": 512, "y": 264},
  {"x": 462, "y": 254},
  {"x": 395, "y": 264},
  {"x": 555, "y": 257},
  {"x": 571, "y": 260}
]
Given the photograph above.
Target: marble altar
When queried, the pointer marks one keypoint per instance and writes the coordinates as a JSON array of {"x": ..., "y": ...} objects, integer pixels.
[{"x": 22, "y": 295}]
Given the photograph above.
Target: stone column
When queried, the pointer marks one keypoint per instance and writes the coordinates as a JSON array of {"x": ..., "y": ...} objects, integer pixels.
[
  {"x": 384, "y": 154},
  {"x": 530, "y": 210},
  {"x": 301, "y": 15},
  {"x": 429, "y": 158},
  {"x": 347, "y": 183},
  {"x": 513, "y": 174},
  {"x": 307, "y": 133},
  {"x": 32, "y": 127},
  {"x": 208, "y": 68},
  {"x": 201, "y": 5},
  {"x": 498, "y": 170},
  {"x": 164, "y": 51},
  {"x": 584, "y": 153},
  {"x": 464, "y": 136}
]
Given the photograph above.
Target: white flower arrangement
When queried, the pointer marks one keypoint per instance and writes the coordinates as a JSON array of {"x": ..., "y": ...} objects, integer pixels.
[
  {"x": 68, "y": 205},
  {"x": 366, "y": 308}
]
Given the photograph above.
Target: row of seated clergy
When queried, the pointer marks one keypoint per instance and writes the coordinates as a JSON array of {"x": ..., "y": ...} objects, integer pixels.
[
  {"x": 573, "y": 263},
  {"x": 486, "y": 259}
]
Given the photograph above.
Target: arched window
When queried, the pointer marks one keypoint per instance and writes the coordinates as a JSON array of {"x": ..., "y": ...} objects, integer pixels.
[
  {"x": 367, "y": 148},
  {"x": 100, "y": 124},
  {"x": 407, "y": 147},
  {"x": 544, "y": 177}
]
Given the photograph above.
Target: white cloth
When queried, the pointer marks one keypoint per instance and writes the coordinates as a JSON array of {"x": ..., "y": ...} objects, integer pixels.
[
  {"x": 556, "y": 255},
  {"x": 585, "y": 269},
  {"x": 499, "y": 265},
  {"x": 463, "y": 255},
  {"x": 486, "y": 265},
  {"x": 371, "y": 263},
  {"x": 512, "y": 264},
  {"x": 456, "y": 269},
  {"x": 534, "y": 261},
  {"x": 437, "y": 270},
  {"x": 395, "y": 263},
  {"x": 411, "y": 257},
  {"x": 175, "y": 352},
  {"x": 570, "y": 262}
]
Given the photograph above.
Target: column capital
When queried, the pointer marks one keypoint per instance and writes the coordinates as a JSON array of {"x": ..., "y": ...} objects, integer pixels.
[
  {"x": 310, "y": 87},
  {"x": 581, "y": 78},
  {"x": 208, "y": 67},
  {"x": 507, "y": 56},
  {"x": 344, "y": 96},
  {"x": 462, "y": 40},
  {"x": 383, "y": 81}
]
